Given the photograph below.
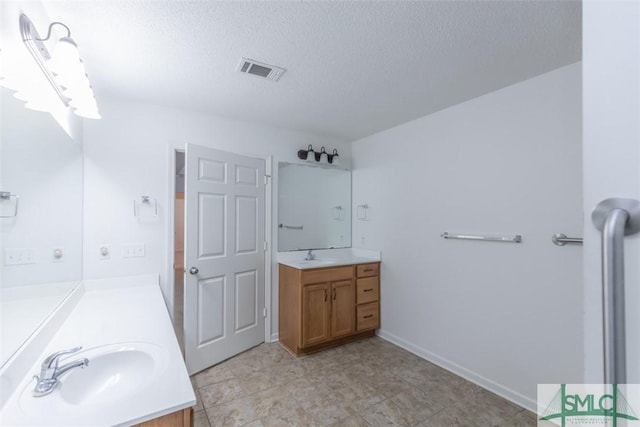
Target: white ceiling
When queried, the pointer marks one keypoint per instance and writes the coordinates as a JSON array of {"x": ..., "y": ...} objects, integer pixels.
[{"x": 353, "y": 67}]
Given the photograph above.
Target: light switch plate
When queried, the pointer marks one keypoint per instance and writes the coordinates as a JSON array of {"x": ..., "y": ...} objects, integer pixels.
[
  {"x": 133, "y": 250},
  {"x": 19, "y": 256}
]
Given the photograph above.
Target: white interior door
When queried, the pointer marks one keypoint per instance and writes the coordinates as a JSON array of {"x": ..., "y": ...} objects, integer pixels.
[
  {"x": 611, "y": 155},
  {"x": 224, "y": 255}
]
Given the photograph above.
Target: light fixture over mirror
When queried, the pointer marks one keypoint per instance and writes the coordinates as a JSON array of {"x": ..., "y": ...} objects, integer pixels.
[{"x": 64, "y": 70}]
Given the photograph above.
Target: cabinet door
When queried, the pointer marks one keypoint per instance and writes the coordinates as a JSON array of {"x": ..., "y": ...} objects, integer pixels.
[
  {"x": 342, "y": 308},
  {"x": 315, "y": 313}
]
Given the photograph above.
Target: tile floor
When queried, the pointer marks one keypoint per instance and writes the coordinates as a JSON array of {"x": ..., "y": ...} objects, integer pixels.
[{"x": 367, "y": 383}]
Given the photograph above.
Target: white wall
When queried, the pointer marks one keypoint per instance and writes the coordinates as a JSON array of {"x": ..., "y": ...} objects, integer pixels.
[
  {"x": 127, "y": 155},
  {"x": 611, "y": 50},
  {"x": 507, "y": 316}
]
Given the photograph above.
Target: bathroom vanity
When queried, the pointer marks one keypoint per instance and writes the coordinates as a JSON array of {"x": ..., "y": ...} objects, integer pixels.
[
  {"x": 327, "y": 303},
  {"x": 135, "y": 373}
]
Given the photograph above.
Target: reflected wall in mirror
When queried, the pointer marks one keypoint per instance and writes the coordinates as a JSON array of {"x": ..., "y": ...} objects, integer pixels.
[
  {"x": 43, "y": 166},
  {"x": 314, "y": 207}
]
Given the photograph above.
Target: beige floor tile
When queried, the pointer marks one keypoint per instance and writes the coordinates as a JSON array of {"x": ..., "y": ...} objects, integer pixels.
[
  {"x": 329, "y": 413},
  {"x": 272, "y": 401},
  {"x": 216, "y": 394},
  {"x": 213, "y": 375},
  {"x": 452, "y": 417},
  {"x": 237, "y": 412},
  {"x": 316, "y": 395},
  {"x": 358, "y": 396},
  {"x": 389, "y": 386},
  {"x": 246, "y": 365},
  {"x": 523, "y": 419},
  {"x": 418, "y": 403},
  {"x": 367, "y": 383},
  {"x": 492, "y": 408},
  {"x": 288, "y": 418},
  {"x": 288, "y": 370},
  {"x": 387, "y": 413},
  {"x": 200, "y": 419},
  {"x": 259, "y": 381},
  {"x": 352, "y": 421}
]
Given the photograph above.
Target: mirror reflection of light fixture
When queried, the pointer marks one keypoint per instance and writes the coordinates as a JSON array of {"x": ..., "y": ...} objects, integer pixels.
[{"x": 64, "y": 69}]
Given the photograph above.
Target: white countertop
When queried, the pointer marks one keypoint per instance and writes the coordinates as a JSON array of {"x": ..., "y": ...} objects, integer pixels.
[
  {"x": 328, "y": 258},
  {"x": 124, "y": 311}
]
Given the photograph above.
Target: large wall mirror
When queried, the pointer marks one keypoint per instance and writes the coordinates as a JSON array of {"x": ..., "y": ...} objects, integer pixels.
[
  {"x": 41, "y": 167},
  {"x": 314, "y": 207}
]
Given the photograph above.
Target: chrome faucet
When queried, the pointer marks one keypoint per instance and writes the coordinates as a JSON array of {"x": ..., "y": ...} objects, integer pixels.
[
  {"x": 310, "y": 256},
  {"x": 50, "y": 371}
]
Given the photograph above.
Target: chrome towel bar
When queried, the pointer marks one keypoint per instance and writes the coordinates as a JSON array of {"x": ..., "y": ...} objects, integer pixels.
[
  {"x": 560, "y": 239},
  {"x": 291, "y": 227},
  {"x": 508, "y": 239}
]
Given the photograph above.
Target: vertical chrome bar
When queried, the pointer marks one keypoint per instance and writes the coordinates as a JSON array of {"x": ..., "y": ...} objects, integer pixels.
[
  {"x": 613, "y": 297},
  {"x": 615, "y": 218}
]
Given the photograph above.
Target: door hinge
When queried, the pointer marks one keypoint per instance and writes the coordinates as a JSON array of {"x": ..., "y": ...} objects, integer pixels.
[
  {"x": 264, "y": 311},
  {"x": 265, "y": 246},
  {"x": 266, "y": 178}
]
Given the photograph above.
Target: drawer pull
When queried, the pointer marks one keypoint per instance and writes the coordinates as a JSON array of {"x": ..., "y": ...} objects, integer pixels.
[
  {"x": 334, "y": 294},
  {"x": 366, "y": 270},
  {"x": 368, "y": 316},
  {"x": 325, "y": 295},
  {"x": 367, "y": 290}
]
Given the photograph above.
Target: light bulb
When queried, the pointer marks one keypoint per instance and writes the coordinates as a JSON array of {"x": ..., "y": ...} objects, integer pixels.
[
  {"x": 88, "y": 113},
  {"x": 65, "y": 58}
]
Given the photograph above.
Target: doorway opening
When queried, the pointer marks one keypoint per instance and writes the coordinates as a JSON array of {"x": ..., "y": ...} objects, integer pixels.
[{"x": 178, "y": 253}]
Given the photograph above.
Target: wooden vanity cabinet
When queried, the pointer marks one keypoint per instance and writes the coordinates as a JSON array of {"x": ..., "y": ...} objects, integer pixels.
[
  {"x": 183, "y": 418},
  {"x": 318, "y": 308},
  {"x": 368, "y": 296}
]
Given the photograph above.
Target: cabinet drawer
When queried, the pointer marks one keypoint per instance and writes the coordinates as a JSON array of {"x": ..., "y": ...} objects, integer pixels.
[
  {"x": 366, "y": 270},
  {"x": 367, "y": 290},
  {"x": 322, "y": 275},
  {"x": 368, "y": 316}
]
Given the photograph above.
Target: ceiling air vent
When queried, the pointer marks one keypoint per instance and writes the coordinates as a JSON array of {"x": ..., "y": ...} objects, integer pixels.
[{"x": 259, "y": 69}]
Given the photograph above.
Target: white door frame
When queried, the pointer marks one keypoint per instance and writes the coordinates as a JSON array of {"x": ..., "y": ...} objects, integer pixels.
[{"x": 172, "y": 148}]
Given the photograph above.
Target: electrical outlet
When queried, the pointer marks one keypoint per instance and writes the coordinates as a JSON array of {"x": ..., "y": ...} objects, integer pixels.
[
  {"x": 133, "y": 250},
  {"x": 19, "y": 256},
  {"x": 57, "y": 255},
  {"x": 104, "y": 251}
]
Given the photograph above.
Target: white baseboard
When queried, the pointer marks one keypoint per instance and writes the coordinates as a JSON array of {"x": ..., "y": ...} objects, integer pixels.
[
  {"x": 461, "y": 371},
  {"x": 275, "y": 337}
]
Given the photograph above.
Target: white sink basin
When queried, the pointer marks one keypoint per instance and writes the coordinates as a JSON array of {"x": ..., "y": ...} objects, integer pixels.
[
  {"x": 116, "y": 373},
  {"x": 108, "y": 376}
]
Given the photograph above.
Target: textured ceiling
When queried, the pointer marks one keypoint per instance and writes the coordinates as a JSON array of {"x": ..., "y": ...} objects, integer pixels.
[{"x": 353, "y": 68}]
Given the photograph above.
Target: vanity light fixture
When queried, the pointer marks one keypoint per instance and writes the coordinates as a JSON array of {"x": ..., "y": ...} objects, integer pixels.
[
  {"x": 319, "y": 157},
  {"x": 63, "y": 69}
]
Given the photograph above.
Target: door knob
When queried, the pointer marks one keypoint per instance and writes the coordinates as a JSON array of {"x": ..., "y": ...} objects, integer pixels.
[{"x": 194, "y": 270}]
